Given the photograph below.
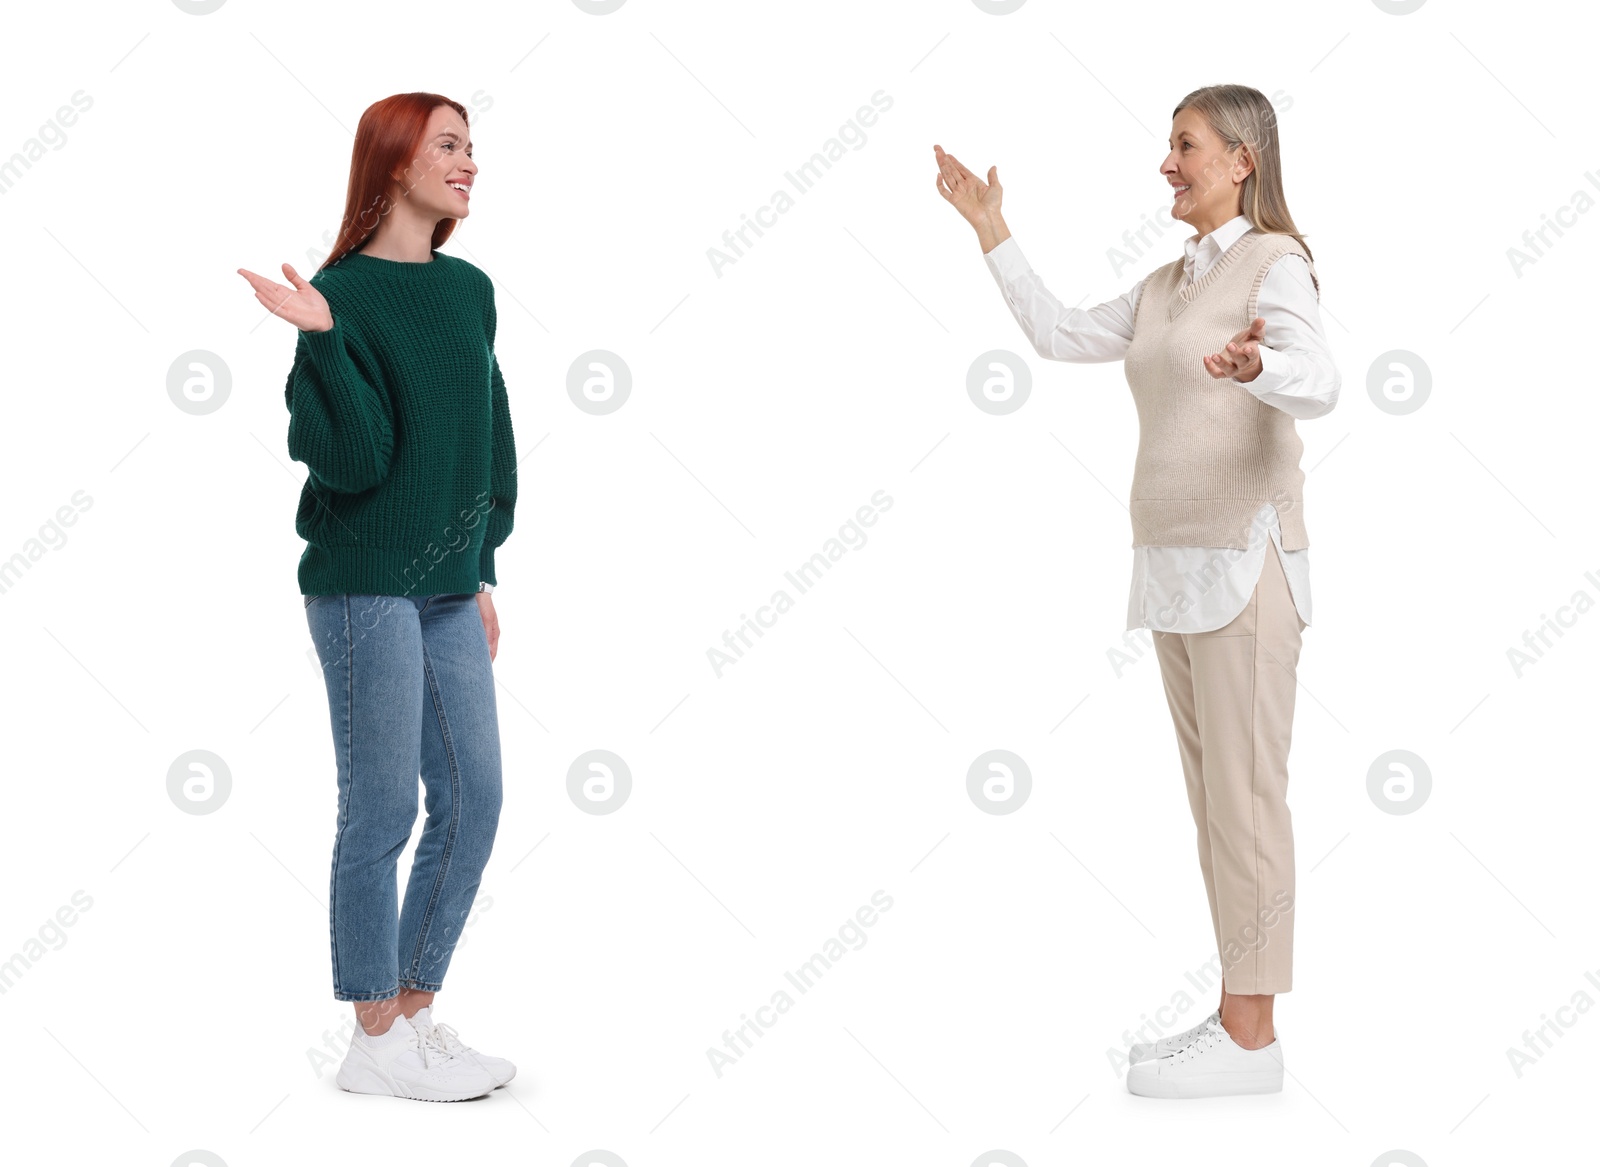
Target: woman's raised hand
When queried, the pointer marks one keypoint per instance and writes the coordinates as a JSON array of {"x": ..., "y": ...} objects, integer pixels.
[
  {"x": 976, "y": 199},
  {"x": 1241, "y": 360},
  {"x": 301, "y": 305}
]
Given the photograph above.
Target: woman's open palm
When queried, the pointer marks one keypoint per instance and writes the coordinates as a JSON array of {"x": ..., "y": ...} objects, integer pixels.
[
  {"x": 964, "y": 190},
  {"x": 301, "y": 305}
]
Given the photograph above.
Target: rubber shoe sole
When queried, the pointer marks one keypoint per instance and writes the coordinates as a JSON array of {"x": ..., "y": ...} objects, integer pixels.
[
  {"x": 369, "y": 1081},
  {"x": 1220, "y": 1085}
]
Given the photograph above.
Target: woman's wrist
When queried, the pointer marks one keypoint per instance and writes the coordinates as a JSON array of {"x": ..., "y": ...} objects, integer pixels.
[{"x": 992, "y": 231}]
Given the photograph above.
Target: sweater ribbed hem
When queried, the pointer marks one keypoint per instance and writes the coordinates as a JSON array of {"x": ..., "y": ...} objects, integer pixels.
[
  {"x": 1194, "y": 522},
  {"x": 382, "y": 571}
]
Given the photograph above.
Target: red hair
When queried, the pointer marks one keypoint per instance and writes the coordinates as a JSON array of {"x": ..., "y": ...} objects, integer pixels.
[{"x": 388, "y": 140}]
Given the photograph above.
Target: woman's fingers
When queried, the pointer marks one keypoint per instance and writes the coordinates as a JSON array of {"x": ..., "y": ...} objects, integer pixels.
[
  {"x": 951, "y": 166},
  {"x": 964, "y": 182},
  {"x": 1234, "y": 360},
  {"x": 948, "y": 160},
  {"x": 957, "y": 176},
  {"x": 1256, "y": 330},
  {"x": 269, "y": 292}
]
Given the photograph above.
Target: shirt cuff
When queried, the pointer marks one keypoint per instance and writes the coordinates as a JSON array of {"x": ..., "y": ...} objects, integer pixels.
[
  {"x": 1006, "y": 261},
  {"x": 1274, "y": 371},
  {"x": 486, "y": 566}
]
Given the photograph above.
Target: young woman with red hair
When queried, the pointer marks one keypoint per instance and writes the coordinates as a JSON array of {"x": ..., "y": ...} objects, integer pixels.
[{"x": 399, "y": 412}]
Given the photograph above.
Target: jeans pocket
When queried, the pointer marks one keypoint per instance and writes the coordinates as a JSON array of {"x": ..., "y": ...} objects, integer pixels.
[{"x": 310, "y": 600}]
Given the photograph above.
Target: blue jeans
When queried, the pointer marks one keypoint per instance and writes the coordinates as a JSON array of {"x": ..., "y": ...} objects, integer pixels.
[{"x": 410, "y": 689}]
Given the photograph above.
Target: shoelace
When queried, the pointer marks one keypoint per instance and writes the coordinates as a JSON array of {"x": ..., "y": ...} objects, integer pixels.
[
  {"x": 1190, "y": 1034},
  {"x": 448, "y": 1039},
  {"x": 1204, "y": 1040},
  {"x": 429, "y": 1041}
]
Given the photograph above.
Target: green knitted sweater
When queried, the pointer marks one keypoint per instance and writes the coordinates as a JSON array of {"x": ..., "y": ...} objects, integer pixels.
[{"x": 400, "y": 415}]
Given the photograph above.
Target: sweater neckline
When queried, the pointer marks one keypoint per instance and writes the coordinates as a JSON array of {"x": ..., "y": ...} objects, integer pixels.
[
  {"x": 1188, "y": 294},
  {"x": 408, "y": 269}
]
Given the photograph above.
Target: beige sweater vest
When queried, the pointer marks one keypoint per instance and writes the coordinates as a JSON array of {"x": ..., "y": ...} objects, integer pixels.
[{"x": 1210, "y": 452}]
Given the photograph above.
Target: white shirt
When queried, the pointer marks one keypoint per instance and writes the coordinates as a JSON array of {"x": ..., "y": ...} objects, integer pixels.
[{"x": 1196, "y": 589}]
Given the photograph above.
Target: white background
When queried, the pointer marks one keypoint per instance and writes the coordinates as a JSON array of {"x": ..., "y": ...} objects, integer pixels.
[{"x": 768, "y": 404}]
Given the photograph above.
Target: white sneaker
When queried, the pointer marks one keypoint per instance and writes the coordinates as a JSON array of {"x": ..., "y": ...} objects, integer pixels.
[
  {"x": 1143, "y": 1051},
  {"x": 407, "y": 1062},
  {"x": 1213, "y": 1063},
  {"x": 501, "y": 1070}
]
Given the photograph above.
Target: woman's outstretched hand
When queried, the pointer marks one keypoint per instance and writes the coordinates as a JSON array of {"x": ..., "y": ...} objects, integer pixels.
[
  {"x": 301, "y": 305},
  {"x": 1242, "y": 358},
  {"x": 491, "y": 622},
  {"x": 975, "y": 199}
]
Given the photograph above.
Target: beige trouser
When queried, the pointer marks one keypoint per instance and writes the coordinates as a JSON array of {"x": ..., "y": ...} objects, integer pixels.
[{"x": 1231, "y": 692}]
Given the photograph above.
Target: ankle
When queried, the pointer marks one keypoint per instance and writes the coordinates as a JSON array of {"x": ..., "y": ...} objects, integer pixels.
[
  {"x": 376, "y": 1018},
  {"x": 1252, "y": 1034},
  {"x": 411, "y": 1001}
]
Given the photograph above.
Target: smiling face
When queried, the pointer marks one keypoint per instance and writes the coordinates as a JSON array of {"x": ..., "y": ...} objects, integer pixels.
[
  {"x": 1205, "y": 175},
  {"x": 444, "y": 170}
]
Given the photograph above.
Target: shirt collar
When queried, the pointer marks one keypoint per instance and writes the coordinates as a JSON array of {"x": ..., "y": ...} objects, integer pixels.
[{"x": 1200, "y": 253}]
